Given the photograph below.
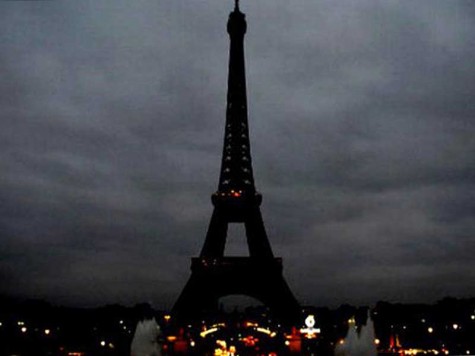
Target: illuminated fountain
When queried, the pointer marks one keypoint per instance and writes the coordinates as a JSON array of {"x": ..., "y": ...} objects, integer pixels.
[
  {"x": 358, "y": 344},
  {"x": 145, "y": 341}
]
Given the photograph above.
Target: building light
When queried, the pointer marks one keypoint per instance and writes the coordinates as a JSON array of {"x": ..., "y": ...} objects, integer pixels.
[
  {"x": 47, "y": 331},
  {"x": 430, "y": 330},
  {"x": 103, "y": 343},
  {"x": 265, "y": 331},
  {"x": 377, "y": 341},
  {"x": 209, "y": 331},
  {"x": 24, "y": 329},
  {"x": 455, "y": 326},
  {"x": 310, "y": 321},
  {"x": 472, "y": 317}
]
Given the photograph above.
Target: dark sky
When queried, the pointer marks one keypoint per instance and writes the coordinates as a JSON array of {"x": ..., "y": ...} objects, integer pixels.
[{"x": 363, "y": 139}]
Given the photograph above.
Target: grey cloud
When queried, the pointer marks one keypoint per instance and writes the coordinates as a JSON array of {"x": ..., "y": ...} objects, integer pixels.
[{"x": 112, "y": 116}]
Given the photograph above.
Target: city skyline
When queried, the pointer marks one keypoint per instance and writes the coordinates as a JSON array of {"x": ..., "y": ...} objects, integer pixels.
[{"x": 112, "y": 122}]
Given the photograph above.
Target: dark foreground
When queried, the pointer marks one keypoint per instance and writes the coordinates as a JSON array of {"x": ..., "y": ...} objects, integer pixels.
[{"x": 38, "y": 328}]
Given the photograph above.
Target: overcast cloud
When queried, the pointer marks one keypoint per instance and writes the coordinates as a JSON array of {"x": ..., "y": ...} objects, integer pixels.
[{"x": 363, "y": 139}]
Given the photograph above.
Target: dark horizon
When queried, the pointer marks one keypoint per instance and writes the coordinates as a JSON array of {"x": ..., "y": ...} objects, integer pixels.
[{"x": 361, "y": 122}]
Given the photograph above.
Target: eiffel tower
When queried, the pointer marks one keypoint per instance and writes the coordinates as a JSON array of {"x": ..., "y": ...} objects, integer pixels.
[{"x": 258, "y": 275}]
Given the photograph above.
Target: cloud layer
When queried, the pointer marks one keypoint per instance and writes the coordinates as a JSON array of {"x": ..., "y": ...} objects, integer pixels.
[{"x": 111, "y": 124}]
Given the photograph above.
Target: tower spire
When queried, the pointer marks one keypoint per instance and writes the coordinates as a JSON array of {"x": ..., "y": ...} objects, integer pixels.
[{"x": 236, "y": 168}]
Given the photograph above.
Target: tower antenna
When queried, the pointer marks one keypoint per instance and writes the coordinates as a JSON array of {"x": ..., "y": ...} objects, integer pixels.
[{"x": 236, "y": 5}]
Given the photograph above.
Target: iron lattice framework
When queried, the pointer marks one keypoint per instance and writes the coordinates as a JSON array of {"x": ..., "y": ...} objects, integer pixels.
[{"x": 260, "y": 274}]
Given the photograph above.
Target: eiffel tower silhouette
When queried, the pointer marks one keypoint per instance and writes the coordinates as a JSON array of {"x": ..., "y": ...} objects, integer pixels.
[{"x": 258, "y": 275}]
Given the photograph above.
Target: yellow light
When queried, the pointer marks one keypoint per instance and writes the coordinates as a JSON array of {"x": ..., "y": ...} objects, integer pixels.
[
  {"x": 377, "y": 341},
  {"x": 472, "y": 317},
  {"x": 171, "y": 338},
  {"x": 103, "y": 343},
  {"x": 209, "y": 331},
  {"x": 342, "y": 342},
  {"x": 265, "y": 331},
  {"x": 24, "y": 329},
  {"x": 167, "y": 317},
  {"x": 47, "y": 331},
  {"x": 430, "y": 330},
  {"x": 287, "y": 342},
  {"x": 192, "y": 343}
]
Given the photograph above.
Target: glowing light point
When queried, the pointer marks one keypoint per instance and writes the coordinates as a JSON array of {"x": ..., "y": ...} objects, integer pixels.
[
  {"x": 24, "y": 329},
  {"x": 310, "y": 321},
  {"x": 47, "y": 331},
  {"x": 103, "y": 343},
  {"x": 310, "y": 331},
  {"x": 377, "y": 341},
  {"x": 455, "y": 326},
  {"x": 430, "y": 330}
]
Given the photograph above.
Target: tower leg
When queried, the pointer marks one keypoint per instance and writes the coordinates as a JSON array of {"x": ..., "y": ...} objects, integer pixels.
[{"x": 212, "y": 279}]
